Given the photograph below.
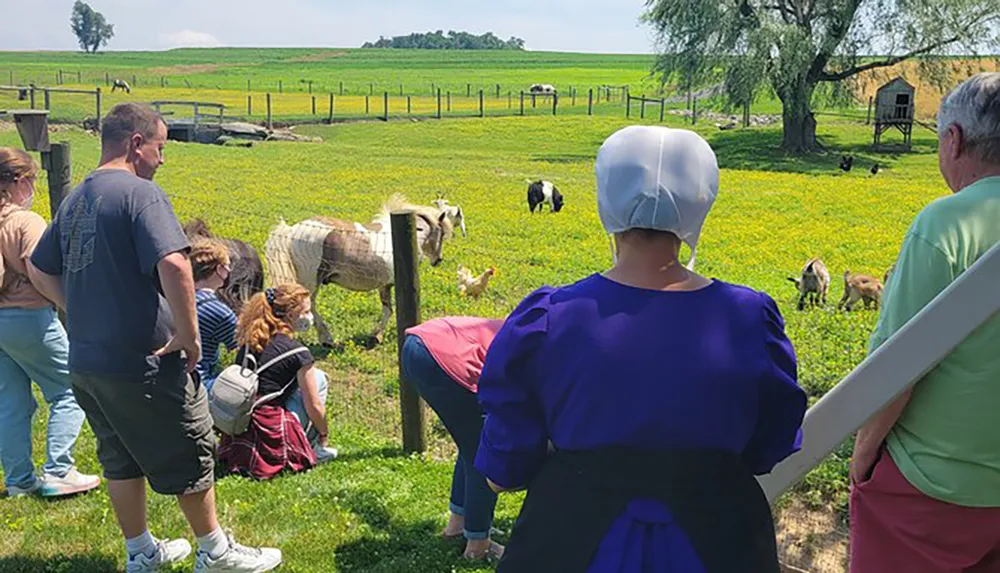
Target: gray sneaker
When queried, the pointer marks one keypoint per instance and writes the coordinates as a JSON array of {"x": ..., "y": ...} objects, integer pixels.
[
  {"x": 238, "y": 559},
  {"x": 168, "y": 552},
  {"x": 71, "y": 483},
  {"x": 34, "y": 488}
]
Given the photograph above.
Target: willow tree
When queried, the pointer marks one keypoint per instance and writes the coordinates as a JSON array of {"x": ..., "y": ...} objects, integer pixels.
[{"x": 796, "y": 46}]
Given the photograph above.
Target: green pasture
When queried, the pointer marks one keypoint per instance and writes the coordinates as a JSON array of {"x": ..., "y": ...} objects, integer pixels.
[{"x": 376, "y": 510}]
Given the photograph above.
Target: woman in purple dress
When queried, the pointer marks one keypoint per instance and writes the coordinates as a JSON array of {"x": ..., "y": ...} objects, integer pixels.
[{"x": 662, "y": 392}]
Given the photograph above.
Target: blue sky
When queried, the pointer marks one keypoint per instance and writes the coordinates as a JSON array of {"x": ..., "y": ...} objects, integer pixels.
[{"x": 608, "y": 26}]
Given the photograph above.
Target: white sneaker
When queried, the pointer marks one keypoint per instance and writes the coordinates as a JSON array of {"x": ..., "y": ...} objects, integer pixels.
[
  {"x": 72, "y": 482},
  {"x": 238, "y": 559},
  {"x": 325, "y": 454},
  {"x": 168, "y": 552},
  {"x": 32, "y": 489}
]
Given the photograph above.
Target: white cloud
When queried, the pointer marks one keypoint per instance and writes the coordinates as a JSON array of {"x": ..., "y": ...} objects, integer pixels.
[{"x": 189, "y": 39}]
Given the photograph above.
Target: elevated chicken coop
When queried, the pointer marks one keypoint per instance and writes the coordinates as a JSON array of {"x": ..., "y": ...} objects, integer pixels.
[{"x": 894, "y": 108}]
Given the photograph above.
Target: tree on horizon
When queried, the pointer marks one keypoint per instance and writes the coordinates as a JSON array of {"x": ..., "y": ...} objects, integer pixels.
[
  {"x": 451, "y": 41},
  {"x": 91, "y": 29}
]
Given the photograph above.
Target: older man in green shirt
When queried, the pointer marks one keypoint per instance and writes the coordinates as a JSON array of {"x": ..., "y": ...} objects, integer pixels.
[{"x": 926, "y": 471}]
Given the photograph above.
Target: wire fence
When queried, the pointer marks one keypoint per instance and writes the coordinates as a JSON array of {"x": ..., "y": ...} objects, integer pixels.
[{"x": 84, "y": 103}]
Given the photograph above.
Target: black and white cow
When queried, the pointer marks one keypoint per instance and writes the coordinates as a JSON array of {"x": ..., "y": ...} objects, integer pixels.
[
  {"x": 120, "y": 84},
  {"x": 544, "y": 192},
  {"x": 542, "y": 89}
]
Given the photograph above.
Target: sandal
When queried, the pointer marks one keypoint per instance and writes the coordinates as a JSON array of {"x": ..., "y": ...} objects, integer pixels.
[{"x": 495, "y": 551}]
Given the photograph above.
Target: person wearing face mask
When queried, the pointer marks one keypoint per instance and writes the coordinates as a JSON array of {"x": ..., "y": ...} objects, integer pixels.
[
  {"x": 663, "y": 392},
  {"x": 216, "y": 321},
  {"x": 289, "y": 432},
  {"x": 33, "y": 347}
]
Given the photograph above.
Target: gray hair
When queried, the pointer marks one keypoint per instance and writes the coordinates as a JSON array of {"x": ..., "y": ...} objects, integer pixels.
[{"x": 975, "y": 107}]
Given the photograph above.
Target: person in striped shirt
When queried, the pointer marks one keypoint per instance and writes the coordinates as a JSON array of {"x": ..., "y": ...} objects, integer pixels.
[{"x": 216, "y": 321}]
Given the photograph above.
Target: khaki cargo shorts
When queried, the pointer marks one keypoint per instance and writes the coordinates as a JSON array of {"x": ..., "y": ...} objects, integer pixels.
[{"x": 156, "y": 427}]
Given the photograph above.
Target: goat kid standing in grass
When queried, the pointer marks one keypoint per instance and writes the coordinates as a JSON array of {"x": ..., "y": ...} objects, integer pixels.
[{"x": 813, "y": 284}]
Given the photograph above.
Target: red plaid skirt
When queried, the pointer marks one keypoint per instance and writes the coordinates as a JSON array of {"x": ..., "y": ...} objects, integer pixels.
[{"x": 274, "y": 441}]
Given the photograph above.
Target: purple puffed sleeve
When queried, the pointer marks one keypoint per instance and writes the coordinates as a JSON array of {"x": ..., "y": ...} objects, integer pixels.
[
  {"x": 781, "y": 403},
  {"x": 512, "y": 446}
]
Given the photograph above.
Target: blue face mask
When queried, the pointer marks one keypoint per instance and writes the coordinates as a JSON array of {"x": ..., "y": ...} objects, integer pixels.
[{"x": 304, "y": 322}]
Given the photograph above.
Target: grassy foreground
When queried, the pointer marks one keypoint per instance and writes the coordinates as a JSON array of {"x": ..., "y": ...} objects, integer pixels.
[{"x": 375, "y": 510}]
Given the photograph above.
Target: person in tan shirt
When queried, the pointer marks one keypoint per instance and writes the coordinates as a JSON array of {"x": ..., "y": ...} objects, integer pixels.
[{"x": 33, "y": 347}]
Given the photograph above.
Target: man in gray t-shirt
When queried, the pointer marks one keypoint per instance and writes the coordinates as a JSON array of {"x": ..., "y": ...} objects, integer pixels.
[{"x": 116, "y": 254}]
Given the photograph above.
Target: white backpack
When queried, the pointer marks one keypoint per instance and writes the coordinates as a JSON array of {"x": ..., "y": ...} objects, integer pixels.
[{"x": 231, "y": 400}]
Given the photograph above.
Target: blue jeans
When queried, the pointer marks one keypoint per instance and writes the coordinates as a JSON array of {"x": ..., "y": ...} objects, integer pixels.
[
  {"x": 296, "y": 405},
  {"x": 33, "y": 346},
  {"x": 461, "y": 415}
]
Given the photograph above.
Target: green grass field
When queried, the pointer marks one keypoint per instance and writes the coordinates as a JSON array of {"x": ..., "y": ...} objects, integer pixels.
[
  {"x": 230, "y": 75},
  {"x": 376, "y": 510},
  {"x": 359, "y": 70}
]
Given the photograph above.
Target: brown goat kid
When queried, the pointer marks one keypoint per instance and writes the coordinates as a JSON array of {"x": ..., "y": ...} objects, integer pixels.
[{"x": 860, "y": 287}]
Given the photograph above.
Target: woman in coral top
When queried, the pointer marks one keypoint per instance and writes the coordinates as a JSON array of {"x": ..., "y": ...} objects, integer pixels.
[{"x": 442, "y": 358}]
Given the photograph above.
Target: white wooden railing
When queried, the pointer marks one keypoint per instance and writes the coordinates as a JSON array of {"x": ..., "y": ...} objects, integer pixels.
[{"x": 913, "y": 351}]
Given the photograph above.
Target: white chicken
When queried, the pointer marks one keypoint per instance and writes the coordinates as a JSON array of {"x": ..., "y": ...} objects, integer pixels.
[{"x": 474, "y": 286}]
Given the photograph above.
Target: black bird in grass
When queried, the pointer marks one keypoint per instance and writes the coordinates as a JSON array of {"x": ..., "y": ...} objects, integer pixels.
[
  {"x": 875, "y": 169},
  {"x": 846, "y": 162}
]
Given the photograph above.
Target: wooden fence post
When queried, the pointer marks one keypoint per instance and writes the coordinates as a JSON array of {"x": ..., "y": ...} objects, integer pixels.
[
  {"x": 31, "y": 92},
  {"x": 371, "y": 89},
  {"x": 59, "y": 169},
  {"x": 482, "y": 109},
  {"x": 249, "y": 105},
  {"x": 330, "y": 119},
  {"x": 642, "y": 107},
  {"x": 449, "y": 102},
  {"x": 694, "y": 111},
  {"x": 522, "y": 103},
  {"x": 385, "y": 106},
  {"x": 310, "y": 86},
  {"x": 407, "y": 290},
  {"x": 590, "y": 102},
  {"x": 628, "y": 107},
  {"x": 281, "y": 88},
  {"x": 341, "y": 88},
  {"x": 510, "y": 100},
  {"x": 58, "y": 166},
  {"x": 498, "y": 91},
  {"x": 573, "y": 97},
  {"x": 48, "y": 102},
  {"x": 468, "y": 90},
  {"x": 533, "y": 101},
  {"x": 269, "y": 124},
  {"x": 314, "y": 104},
  {"x": 439, "y": 103},
  {"x": 400, "y": 90},
  {"x": 555, "y": 103},
  {"x": 107, "y": 79},
  {"x": 366, "y": 104},
  {"x": 248, "y": 84},
  {"x": 100, "y": 119},
  {"x": 409, "y": 109}
]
